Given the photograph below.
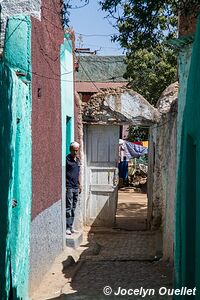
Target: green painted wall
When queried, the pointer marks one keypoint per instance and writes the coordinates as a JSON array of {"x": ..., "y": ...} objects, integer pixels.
[
  {"x": 17, "y": 57},
  {"x": 7, "y": 147},
  {"x": 67, "y": 95},
  {"x": 22, "y": 191},
  {"x": 17, "y": 49},
  {"x": 184, "y": 67},
  {"x": 187, "y": 240}
]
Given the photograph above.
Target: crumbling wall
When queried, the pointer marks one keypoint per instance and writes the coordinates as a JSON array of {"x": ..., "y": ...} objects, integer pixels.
[
  {"x": 162, "y": 169},
  {"x": 120, "y": 106}
]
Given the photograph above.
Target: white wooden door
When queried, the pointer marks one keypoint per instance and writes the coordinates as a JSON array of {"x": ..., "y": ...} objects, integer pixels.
[{"x": 102, "y": 174}]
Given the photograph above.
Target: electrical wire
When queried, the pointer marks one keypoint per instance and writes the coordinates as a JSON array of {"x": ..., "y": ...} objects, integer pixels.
[{"x": 92, "y": 35}]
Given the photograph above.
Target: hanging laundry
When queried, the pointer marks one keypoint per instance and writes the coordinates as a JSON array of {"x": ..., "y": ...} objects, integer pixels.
[{"x": 134, "y": 150}]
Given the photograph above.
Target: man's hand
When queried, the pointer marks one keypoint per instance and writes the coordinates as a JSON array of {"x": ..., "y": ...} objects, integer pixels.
[{"x": 80, "y": 189}]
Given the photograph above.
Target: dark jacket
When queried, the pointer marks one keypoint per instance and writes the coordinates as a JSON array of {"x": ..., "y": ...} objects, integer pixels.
[{"x": 72, "y": 172}]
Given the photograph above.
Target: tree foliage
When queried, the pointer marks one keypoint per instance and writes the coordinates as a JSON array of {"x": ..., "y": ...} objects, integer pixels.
[
  {"x": 136, "y": 133},
  {"x": 144, "y": 27},
  {"x": 150, "y": 71},
  {"x": 146, "y": 23}
]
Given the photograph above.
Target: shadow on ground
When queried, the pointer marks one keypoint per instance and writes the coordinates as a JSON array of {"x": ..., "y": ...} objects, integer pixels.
[{"x": 118, "y": 258}]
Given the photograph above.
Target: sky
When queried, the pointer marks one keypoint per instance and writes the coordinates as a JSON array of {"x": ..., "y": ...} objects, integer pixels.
[{"x": 90, "y": 20}]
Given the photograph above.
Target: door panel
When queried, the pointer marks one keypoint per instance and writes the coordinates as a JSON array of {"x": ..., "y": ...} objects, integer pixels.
[{"x": 102, "y": 174}]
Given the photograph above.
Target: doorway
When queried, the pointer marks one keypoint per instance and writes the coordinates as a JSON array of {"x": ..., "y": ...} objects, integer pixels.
[
  {"x": 132, "y": 203},
  {"x": 109, "y": 202}
]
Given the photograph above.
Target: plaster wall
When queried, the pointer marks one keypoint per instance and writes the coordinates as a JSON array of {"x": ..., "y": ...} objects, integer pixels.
[
  {"x": 22, "y": 191},
  {"x": 46, "y": 242},
  {"x": 67, "y": 111},
  {"x": 67, "y": 94},
  {"x": 47, "y": 36},
  {"x": 184, "y": 67},
  {"x": 17, "y": 50},
  {"x": 119, "y": 106},
  {"x": 17, "y": 56},
  {"x": 162, "y": 169},
  {"x": 7, "y": 146},
  {"x": 133, "y": 106},
  {"x": 183, "y": 207},
  {"x": 169, "y": 185},
  {"x": 47, "y": 229}
]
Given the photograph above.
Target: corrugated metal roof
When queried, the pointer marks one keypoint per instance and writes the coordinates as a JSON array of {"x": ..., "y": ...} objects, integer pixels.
[{"x": 101, "y": 69}]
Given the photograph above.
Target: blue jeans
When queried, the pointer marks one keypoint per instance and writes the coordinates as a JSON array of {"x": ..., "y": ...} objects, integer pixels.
[{"x": 71, "y": 201}]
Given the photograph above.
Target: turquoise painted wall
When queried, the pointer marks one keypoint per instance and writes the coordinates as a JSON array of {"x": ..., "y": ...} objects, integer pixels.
[
  {"x": 17, "y": 56},
  {"x": 17, "y": 49},
  {"x": 67, "y": 95},
  {"x": 22, "y": 191},
  {"x": 187, "y": 258},
  {"x": 7, "y": 147}
]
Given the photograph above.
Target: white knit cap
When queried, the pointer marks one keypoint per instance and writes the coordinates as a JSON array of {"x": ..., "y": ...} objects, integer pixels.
[{"x": 74, "y": 145}]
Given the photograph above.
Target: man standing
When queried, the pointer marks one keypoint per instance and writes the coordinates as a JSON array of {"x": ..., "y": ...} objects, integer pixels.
[{"x": 72, "y": 185}]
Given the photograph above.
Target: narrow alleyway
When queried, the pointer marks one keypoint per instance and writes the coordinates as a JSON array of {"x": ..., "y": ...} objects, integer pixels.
[{"x": 114, "y": 258}]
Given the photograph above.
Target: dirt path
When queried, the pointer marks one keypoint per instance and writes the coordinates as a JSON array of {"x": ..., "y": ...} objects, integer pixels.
[{"x": 131, "y": 210}]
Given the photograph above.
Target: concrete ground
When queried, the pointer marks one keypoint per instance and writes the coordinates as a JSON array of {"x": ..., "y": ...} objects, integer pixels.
[{"x": 111, "y": 258}]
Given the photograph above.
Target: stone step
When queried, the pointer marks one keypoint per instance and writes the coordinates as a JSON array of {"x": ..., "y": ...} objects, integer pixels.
[{"x": 74, "y": 240}]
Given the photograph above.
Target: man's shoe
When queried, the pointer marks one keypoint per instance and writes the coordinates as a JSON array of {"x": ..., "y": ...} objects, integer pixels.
[
  {"x": 74, "y": 231},
  {"x": 68, "y": 232}
]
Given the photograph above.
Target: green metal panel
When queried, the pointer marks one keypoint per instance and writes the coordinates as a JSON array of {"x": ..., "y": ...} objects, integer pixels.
[{"x": 187, "y": 250}]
